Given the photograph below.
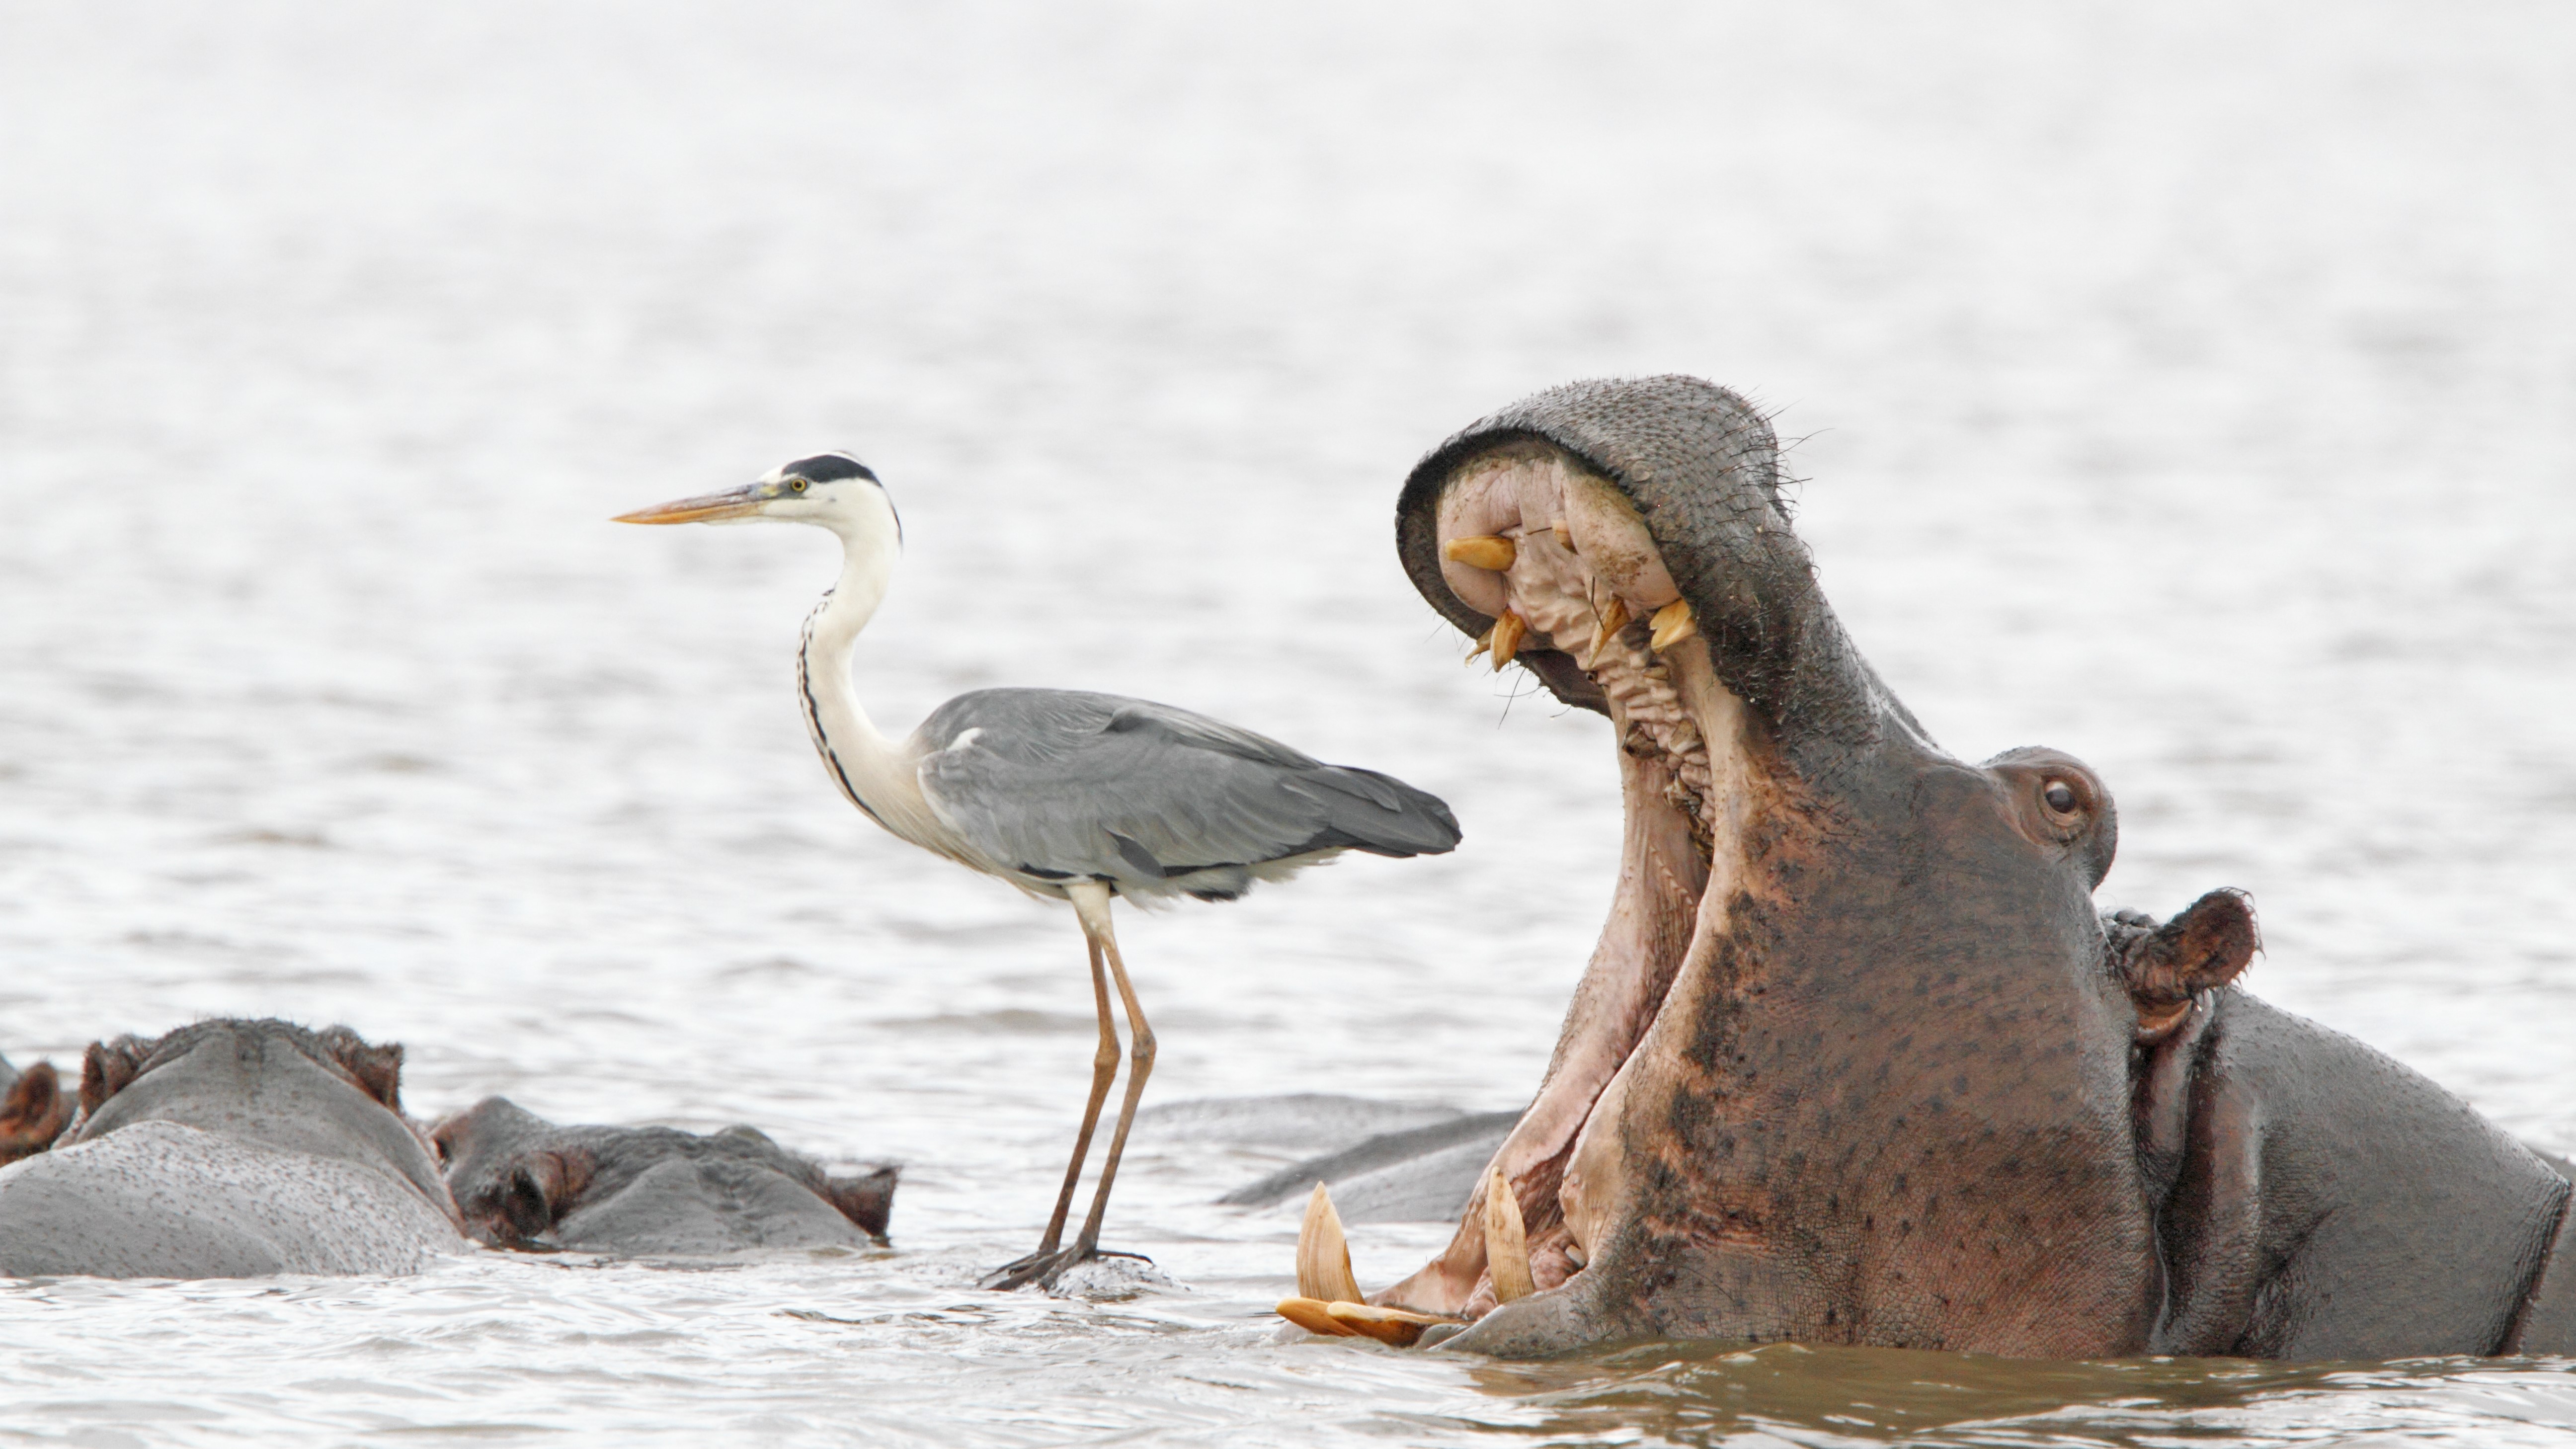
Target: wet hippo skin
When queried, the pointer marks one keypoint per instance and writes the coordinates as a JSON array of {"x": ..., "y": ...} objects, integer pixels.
[
  {"x": 1857, "y": 1060},
  {"x": 524, "y": 1182},
  {"x": 231, "y": 1149}
]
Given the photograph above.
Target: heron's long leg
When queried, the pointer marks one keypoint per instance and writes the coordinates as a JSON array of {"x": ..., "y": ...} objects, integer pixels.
[
  {"x": 1091, "y": 903},
  {"x": 1104, "y": 1070}
]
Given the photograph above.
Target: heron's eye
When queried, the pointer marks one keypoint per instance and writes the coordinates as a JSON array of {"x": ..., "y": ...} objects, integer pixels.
[
  {"x": 2059, "y": 796},
  {"x": 796, "y": 484}
]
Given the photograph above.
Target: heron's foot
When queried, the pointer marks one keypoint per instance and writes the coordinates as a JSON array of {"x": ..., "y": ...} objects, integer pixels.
[{"x": 1043, "y": 1269}]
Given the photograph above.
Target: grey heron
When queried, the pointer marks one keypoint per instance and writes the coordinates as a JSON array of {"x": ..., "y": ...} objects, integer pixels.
[{"x": 1066, "y": 794}]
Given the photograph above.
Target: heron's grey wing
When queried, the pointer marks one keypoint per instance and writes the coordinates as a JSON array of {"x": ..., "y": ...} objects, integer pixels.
[{"x": 1059, "y": 783}]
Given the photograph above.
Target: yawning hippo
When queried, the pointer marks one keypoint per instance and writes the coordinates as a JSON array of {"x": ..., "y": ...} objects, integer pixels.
[
  {"x": 231, "y": 1149},
  {"x": 523, "y": 1182},
  {"x": 1856, "y": 1061}
]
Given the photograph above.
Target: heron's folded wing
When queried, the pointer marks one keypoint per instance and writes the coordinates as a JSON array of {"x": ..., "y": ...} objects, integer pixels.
[{"x": 1096, "y": 785}]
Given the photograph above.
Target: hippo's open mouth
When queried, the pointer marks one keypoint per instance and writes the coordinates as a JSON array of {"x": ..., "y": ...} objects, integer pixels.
[
  {"x": 1516, "y": 528},
  {"x": 1530, "y": 536}
]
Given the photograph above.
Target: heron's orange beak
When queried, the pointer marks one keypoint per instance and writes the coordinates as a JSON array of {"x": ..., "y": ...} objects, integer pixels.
[{"x": 706, "y": 507}]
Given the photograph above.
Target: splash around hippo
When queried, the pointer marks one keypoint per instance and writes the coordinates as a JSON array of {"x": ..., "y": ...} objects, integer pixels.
[{"x": 1856, "y": 1060}]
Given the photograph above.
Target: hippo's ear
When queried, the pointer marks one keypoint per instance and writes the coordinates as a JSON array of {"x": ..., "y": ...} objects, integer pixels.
[
  {"x": 2204, "y": 947},
  {"x": 33, "y": 1114},
  {"x": 867, "y": 1200},
  {"x": 540, "y": 1189},
  {"x": 108, "y": 1068},
  {"x": 376, "y": 1069}
]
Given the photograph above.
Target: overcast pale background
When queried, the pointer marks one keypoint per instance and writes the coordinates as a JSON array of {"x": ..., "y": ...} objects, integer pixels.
[{"x": 2195, "y": 391}]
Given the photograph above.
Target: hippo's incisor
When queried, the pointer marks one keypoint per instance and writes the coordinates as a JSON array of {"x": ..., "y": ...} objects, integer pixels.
[{"x": 1856, "y": 1061}]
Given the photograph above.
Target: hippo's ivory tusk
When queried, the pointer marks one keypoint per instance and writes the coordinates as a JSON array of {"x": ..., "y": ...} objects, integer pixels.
[
  {"x": 1484, "y": 551},
  {"x": 1323, "y": 1254},
  {"x": 1397, "y": 1326},
  {"x": 1613, "y": 619},
  {"x": 1315, "y": 1316},
  {"x": 1484, "y": 642},
  {"x": 1506, "y": 1243},
  {"x": 1564, "y": 532},
  {"x": 1509, "y": 630},
  {"x": 1673, "y": 624}
]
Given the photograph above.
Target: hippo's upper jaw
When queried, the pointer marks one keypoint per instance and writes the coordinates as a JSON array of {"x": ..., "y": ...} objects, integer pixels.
[{"x": 1851, "y": 1062}]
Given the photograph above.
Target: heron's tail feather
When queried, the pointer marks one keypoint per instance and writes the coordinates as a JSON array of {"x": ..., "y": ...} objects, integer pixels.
[{"x": 1378, "y": 814}]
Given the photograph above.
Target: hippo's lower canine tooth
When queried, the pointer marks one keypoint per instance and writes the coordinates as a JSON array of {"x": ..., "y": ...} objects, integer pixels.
[
  {"x": 1484, "y": 551},
  {"x": 1398, "y": 1326},
  {"x": 1506, "y": 1244},
  {"x": 1673, "y": 624},
  {"x": 1508, "y": 632},
  {"x": 1323, "y": 1254},
  {"x": 1313, "y": 1315},
  {"x": 1484, "y": 642}
]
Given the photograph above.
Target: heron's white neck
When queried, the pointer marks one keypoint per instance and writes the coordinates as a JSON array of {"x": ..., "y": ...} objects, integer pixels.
[{"x": 876, "y": 773}]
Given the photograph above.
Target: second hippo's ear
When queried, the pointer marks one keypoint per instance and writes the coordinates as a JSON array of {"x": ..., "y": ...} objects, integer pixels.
[
  {"x": 108, "y": 1068},
  {"x": 33, "y": 1114},
  {"x": 866, "y": 1200},
  {"x": 376, "y": 1069},
  {"x": 2202, "y": 948}
]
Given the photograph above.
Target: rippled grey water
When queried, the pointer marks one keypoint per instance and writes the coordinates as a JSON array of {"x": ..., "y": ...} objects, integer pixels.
[{"x": 2195, "y": 391}]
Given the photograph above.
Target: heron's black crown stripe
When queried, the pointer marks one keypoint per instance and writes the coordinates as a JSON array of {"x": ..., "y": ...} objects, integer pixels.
[{"x": 830, "y": 468}]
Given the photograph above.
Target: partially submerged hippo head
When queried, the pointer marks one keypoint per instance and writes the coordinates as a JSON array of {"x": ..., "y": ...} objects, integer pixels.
[
  {"x": 327, "y": 1092},
  {"x": 1854, "y": 1061},
  {"x": 524, "y": 1182},
  {"x": 231, "y": 1148}
]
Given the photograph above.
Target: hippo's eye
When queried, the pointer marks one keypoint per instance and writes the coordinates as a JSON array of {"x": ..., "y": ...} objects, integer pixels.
[
  {"x": 796, "y": 484},
  {"x": 2059, "y": 796}
]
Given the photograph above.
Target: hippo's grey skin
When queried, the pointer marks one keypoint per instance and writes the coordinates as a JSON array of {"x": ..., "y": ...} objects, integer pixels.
[
  {"x": 1386, "y": 1162},
  {"x": 1417, "y": 1175},
  {"x": 523, "y": 1182},
  {"x": 34, "y": 1110},
  {"x": 231, "y": 1149},
  {"x": 1856, "y": 1061}
]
